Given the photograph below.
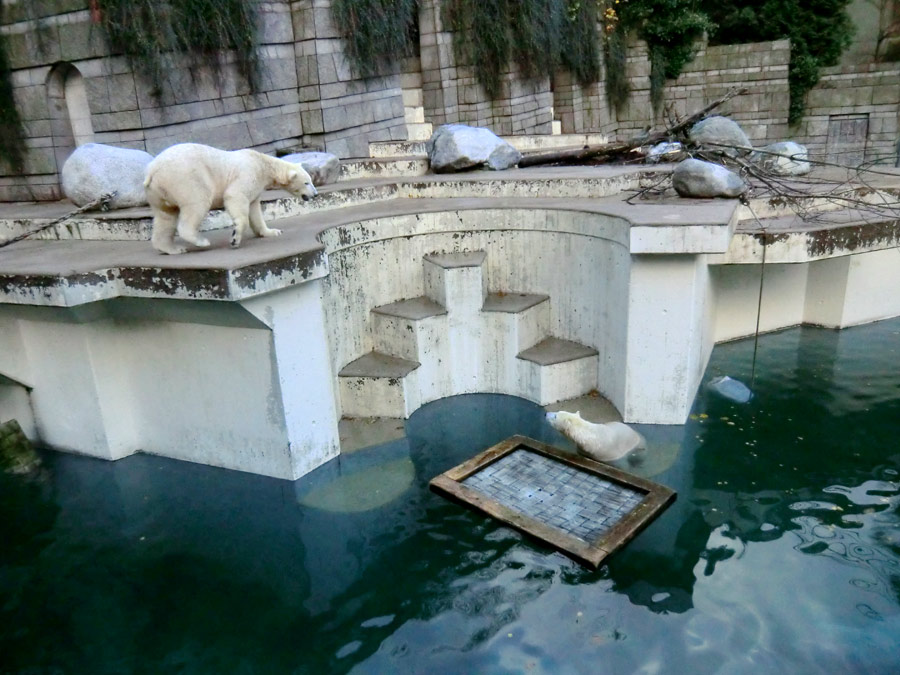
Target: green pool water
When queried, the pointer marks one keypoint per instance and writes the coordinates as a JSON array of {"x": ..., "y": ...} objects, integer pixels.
[{"x": 780, "y": 555}]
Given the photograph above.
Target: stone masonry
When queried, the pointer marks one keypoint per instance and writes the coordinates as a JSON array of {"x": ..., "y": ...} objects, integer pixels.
[
  {"x": 308, "y": 97},
  {"x": 71, "y": 89}
]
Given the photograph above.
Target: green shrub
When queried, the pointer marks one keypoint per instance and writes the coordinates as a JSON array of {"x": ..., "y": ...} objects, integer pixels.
[
  {"x": 147, "y": 30},
  {"x": 377, "y": 33},
  {"x": 819, "y": 31},
  {"x": 12, "y": 137}
]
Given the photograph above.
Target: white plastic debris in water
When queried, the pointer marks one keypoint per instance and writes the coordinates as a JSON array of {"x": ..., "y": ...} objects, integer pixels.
[{"x": 732, "y": 389}]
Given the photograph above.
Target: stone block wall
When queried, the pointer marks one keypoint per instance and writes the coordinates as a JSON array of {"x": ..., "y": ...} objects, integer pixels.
[
  {"x": 71, "y": 89},
  {"x": 868, "y": 94},
  {"x": 340, "y": 110},
  {"x": 451, "y": 92},
  {"x": 307, "y": 97},
  {"x": 762, "y": 67}
]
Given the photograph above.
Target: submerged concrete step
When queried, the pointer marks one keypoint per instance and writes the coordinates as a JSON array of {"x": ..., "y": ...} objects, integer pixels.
[
  {"x": 378, "y": 385},
  {"x": 409, "y": 329},
  {"x": 555, "y": 369}
]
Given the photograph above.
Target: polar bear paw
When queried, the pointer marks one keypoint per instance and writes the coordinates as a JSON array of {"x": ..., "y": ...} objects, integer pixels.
[{"x": 271, "y": 232}]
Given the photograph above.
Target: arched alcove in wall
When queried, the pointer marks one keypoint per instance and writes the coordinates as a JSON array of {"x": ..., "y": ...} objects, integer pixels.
[{"x": 70, "y": 114}]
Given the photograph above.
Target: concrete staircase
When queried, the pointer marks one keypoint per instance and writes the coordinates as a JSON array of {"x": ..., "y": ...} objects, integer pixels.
[{"x": 460, "y": 338}]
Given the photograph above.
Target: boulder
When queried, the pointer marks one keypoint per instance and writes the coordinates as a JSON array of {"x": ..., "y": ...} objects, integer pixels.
[
  {"x": 322, "y": 167},
  {"x": 783, "y": 159},
  {"x": 696, "y": 178},
  {"x": 666, "y": 152},
  {"x": 95, "y": 169},
  {"x": 457, "y": 147},
  {"x": 723, "y": 131}
]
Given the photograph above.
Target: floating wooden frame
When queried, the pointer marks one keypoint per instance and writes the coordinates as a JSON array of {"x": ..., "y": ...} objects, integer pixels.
[{"x": 586, "y": 509}]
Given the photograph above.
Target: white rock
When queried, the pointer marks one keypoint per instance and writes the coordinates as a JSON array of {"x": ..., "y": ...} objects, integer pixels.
[
  {"x": 722, "y": 131},
  {"x": 457, "y": 147},
  {"x": 783, "y": 159},
  {"x": 323, "y": 167},
  {"x": 696, "y": 178},
  {"x": 95, "y": 169}
]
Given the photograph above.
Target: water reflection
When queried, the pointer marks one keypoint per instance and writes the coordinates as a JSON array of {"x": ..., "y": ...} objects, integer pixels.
[{"x": 781, "y": 553}]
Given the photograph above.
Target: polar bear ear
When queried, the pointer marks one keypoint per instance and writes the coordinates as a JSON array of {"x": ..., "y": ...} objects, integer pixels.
[
  {"x": 292, "y": 174},
  {"x": 578, "y": 414}
]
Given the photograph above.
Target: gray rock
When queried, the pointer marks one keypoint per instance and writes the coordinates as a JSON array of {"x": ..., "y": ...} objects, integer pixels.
[
  {"x": 95, "y": 169},
  {"x": 457, "y": 147},
  {"x": 666, "y": 152},
  {"x": 721, "y": 130},
  {"x": 695, "y": 178},
  {"x": 322, "y": 167},
  {"x": 783, "y": 159}
]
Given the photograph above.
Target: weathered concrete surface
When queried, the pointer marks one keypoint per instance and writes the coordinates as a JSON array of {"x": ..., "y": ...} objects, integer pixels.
[{"x": 90, "y": 327}]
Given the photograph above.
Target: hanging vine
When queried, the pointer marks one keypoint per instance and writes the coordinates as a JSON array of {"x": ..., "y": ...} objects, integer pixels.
[
  {"x": 12, "y": 133},
  {"x": 147, "y": 31},
  {"x": 377, "y": 33}
]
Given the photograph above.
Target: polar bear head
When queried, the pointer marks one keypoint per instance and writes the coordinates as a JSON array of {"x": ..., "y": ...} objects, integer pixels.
[
  {"x": 563, "y": 420},
  {"x": 299, "y": 184}
]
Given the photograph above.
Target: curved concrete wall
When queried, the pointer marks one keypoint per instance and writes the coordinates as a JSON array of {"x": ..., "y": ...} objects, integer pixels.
[{"x": 580, "y": 260}]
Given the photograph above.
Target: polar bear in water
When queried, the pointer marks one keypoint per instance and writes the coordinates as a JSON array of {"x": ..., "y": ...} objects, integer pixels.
[
  {"x": 602, "y": 442},
  {"x": 185, "y": 181}
]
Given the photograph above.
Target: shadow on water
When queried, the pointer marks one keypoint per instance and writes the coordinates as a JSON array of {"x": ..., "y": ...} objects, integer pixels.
[{"x": 781, "y": 553}]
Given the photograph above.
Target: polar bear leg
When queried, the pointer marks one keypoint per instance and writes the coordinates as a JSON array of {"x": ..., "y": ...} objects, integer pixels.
[
  {"x": 189, "y": 224},
  {"x": 238, "y": 208},
  {"x": 163, "y": 238},
  {"x": 257, "y": 224}
]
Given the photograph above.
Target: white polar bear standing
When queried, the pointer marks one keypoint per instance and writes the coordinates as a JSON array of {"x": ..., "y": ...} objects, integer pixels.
[
  {"x": 185, "y": 181},
  {"x": 602, "y": 442}
]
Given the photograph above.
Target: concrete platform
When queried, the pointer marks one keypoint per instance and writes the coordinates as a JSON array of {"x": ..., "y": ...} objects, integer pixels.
[{"x": 107, "y": 347}]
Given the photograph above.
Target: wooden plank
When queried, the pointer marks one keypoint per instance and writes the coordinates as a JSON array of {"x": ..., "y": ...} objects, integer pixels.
[{"x": 656, "y": 498}]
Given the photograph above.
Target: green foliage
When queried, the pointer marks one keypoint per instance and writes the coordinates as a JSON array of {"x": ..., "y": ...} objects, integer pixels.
[
  {"x": 819, "y": 31},
  {"x": 618, "y": 88},
  {"x": 671, "y": 28},
  {"x": 538, "y": 35},
  {"x": 147, "y": 30},
  {"x": 579, "y": 43},
  {"x": 377, "y": 33},
  {"x": 12, "y": 136}
]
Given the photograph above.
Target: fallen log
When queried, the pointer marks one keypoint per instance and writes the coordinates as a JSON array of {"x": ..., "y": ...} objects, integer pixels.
[{"x": 612, "y": 150}]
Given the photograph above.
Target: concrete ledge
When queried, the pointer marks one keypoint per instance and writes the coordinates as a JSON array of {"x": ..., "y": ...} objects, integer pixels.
[{"x": 553, "y": 350}]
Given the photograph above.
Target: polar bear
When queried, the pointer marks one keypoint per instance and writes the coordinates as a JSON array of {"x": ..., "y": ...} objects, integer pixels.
[
  {"x": 602, "y": 442},
  {"x": 186, "y": 180}
]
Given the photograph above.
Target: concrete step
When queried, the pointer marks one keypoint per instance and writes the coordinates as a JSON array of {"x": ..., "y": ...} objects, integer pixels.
[
  {"x": 456, "y": 280},
  {"x": 413, "y": 98},
  {"x": 555, "y": 369},
  {"x": 523, "y": 317},
  {"x": 531, "y": 143},
  {"x": 414, "y": 114},
  {"x": 408, "y": 329},
  {"x": 387, "y": 166},
  {"x": 419, "y": 131},
  {"x": 378, "y": 385}
]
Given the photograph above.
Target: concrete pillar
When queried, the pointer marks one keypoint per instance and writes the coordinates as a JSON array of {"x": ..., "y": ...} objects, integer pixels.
[
  {"x": 853, "y": 289},
  {"x": 669, "y": 337},
  {"x": 307, "y": 384}
]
